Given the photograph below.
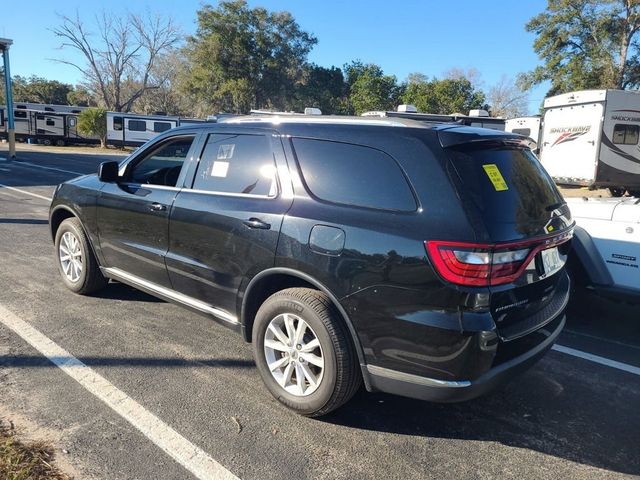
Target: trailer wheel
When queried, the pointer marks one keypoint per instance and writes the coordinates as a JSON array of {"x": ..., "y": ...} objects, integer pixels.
[
  {"x": 46, "y": 142},
  {"x": 60, "y": 143},
  {"x": 617, "y": 191}
]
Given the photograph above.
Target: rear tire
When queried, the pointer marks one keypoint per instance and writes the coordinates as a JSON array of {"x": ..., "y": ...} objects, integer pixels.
[
  {"x": 617, "y": 191},
  {"x": 304, "y": 352},
  {"x": 46, "y": 142},
  {"x": 60, "y": 143},
  {"x": 76, "y": 262}
]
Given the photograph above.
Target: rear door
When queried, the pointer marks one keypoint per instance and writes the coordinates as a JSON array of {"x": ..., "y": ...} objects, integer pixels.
[
  {"x": 224, "y": 229},
  {"x": 571, "y": 140}
]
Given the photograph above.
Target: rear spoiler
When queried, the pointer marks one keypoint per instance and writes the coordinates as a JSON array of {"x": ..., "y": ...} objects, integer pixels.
[{"x": 453, "y": 136}]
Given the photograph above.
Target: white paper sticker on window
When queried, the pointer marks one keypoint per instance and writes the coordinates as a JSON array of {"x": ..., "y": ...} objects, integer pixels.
[
  {"x": 219, "y": 169},
  {"x": 226, "y": 151}
]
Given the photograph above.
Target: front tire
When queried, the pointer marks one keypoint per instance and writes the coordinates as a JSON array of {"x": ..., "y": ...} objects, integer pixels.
[
  {"x": 304, "y": 353},
  {"x": 76, "y": 262}
]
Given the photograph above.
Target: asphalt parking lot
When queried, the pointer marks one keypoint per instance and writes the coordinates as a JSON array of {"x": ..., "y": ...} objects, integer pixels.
[{"x": 568, "y": 417}]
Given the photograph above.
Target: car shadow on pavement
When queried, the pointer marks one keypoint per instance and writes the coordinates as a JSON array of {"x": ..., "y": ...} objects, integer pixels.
[
  {"x": 587, "y": 421},
  {"x": 24, "y": 221},
  {"x": 120, "y": 291},
  {"x": 32, "y": 361}
]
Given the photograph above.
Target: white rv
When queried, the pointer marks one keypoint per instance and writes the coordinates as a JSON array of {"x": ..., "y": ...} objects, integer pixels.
[
  {"x": 134, "y": 130},
  {"x": 590, "y": 138},
  {"x": 527, "y": 126},
  {"x": 606, "y": 244}
]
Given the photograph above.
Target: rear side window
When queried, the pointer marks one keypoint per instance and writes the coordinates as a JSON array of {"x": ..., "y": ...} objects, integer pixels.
[
  {"x": 625, "y": 134},
  {"x": 237, "y": 164},
  {"x": 353, "y": 175},
  {"x": 509, "y": 187},
  {"x": 117, "y": 123}
]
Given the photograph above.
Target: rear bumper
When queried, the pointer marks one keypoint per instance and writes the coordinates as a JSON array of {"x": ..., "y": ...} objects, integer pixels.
[{"x": 424, "y": 388}]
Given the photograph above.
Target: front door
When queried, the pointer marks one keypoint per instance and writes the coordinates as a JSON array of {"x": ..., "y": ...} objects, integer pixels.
[
  {"x": 133, "y": 215},
  {"x": 225, "y": 229}
]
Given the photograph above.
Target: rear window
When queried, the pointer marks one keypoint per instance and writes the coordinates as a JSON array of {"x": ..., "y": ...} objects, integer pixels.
[
  {"x": 513, "y": 193},
  {"x": 353, "y": 175}
]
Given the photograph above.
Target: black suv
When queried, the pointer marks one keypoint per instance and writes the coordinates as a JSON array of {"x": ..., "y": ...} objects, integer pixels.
[{"x": 424, "y": 259}]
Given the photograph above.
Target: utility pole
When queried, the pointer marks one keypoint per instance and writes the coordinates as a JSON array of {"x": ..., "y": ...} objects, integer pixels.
[{"x": 5, "y": 43}]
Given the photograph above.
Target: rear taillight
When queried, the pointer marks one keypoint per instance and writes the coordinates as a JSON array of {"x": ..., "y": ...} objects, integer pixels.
[{"x": 481, "y": 264}]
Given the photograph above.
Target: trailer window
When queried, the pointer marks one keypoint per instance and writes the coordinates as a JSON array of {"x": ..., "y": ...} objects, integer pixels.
[
  {"x": 19, "y": 114},
  {"x": 50, "y": 123},
  {"x": 117, "y": 123},
  {"x": 522, "y": 131},
  {"x": 161, "y": 126},
  {"x": 137, "y": 125},
  {"x": 626, "y": 134}
]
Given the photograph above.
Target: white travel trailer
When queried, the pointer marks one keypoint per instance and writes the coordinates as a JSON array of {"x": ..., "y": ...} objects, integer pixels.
[
  {"x": 590, "y": 138},
  {"x": 134, "y": 130},
  {"x": 527, "y": 126},
  {"x": 606, "y": 244}
]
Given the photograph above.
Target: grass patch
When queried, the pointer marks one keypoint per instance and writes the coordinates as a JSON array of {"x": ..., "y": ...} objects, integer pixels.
[{"x": 26, "y": 461}]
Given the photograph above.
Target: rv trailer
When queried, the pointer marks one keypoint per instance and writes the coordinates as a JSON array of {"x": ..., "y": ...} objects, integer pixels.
[
  {"x": 527, "y": 126},
  {"x": 46, "y": 127},
  {"x": 590, "y": 138},
  {"x": 131, "y": 129}
]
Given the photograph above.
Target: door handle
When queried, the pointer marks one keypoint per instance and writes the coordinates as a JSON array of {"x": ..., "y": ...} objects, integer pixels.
[
  {"x": 257, "y": 223},
  {"x": 157, "y": 207}
]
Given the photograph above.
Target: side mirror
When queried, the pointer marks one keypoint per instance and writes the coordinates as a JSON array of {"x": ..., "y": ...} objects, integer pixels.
[{"x": 108, "y": 172}]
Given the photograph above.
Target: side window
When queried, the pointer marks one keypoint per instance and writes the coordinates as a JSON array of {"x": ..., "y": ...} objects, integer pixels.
[
  {"x": 19, "y": 114},
  {"x": 117, "y": 123},
  {"x": 137, "y": 125},
  {"x": 159, "y": 127},
  {"x": 162, "y": 166},
  {"x": 625, "y": 134},
  {"x": 50, "y": 123},
  {"x": 353, "y": 175},
  {"x": 239, "y": 164}
]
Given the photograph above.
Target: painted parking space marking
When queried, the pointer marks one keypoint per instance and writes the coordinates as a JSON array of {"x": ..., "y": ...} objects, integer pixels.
[
  {"x": 191, "y": 457},
  {"x": 48, "y": 199},
  {"x": 33, "y": 165},
  {"x": 597, "y": 359}
]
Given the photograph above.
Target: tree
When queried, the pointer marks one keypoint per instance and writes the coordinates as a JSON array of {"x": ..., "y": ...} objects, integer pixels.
[
  {"x": 321, "y": 87},
  {"x": 444, "y": 96},
  {"x": 242, "y": 58},
  {"x": 81, "y": 96},
  {"x": 93, "y": 121},
  {"x": 370, "y": 89},
  {"x": 125, "y": 52},
  {"x": 507, "y": 100},
  {"x": 40, "y": 90},
  {"x": 586, "y": 44}
]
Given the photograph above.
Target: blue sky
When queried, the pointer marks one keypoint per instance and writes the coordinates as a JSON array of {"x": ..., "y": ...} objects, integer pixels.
[{"x": 428, "y": 36}]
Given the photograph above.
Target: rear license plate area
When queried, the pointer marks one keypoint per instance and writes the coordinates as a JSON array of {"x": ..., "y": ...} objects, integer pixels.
[{"x": 550, "y": 261}]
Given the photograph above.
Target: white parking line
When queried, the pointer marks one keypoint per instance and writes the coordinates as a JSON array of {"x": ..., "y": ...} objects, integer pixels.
[
  {"x": 33, "y": 165},
  {"x": 184, "y": 452},
  {"x": 597, "y": 359},
  {"x": 2, "y": 185}
]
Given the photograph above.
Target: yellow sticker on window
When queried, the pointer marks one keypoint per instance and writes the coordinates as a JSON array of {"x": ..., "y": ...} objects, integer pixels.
[{"x": 496, "y": 178}]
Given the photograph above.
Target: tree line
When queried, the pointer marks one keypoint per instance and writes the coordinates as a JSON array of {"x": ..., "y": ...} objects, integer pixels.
[{"x": 243, "y": 58}]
